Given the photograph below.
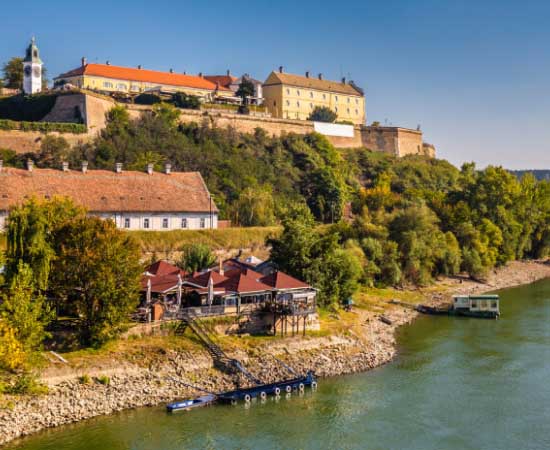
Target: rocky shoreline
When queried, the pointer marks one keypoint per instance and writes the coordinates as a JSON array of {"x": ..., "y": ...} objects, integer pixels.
[{"x": 71, "y": 399}]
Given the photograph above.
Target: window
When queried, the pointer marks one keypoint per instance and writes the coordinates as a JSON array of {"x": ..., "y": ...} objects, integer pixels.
[
  {"x": 298, "y": 92},
  {"x": 121, "y": 87},
  {"x": 324, "y": 96},
  {"x": 311, "y": 105},
  {"x": 134, "y": 88},
  {"x": 184, "y": 223},
  {"x": 146, "y": 223},
  {"x": 348, "y": 110},
  {"x": 356, "y": 101},
  {"x": 165, "y": 222},
  {"x": 274, "y": 102},
  {"x": 288, "y": 91},
  {"x": 107, "y": 84},
  {"x": 474, "y": 304},
  {"x": 203, "y": 222},
  {"x": 493, "y": 304},
  {"x": 348, "y": 99},
  {"x": 288, "y": 103},
  {"x": 357, "y": 112},
  {"x": 336, "y": 108},
  {"x": 311, "y": 94},
  {"x": 335, "y": 98},
  {"x": 298, "y": 104},
  {"x": 127, "y": 222}
]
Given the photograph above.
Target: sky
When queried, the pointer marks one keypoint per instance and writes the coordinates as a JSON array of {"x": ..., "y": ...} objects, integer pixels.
[{"x": 475, "y": 75}]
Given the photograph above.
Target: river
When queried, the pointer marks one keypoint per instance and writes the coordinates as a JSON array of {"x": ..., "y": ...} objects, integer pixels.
[{"x": 457, "y": 384}]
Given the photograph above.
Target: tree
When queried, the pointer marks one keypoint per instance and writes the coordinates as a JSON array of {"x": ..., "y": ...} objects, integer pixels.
[
  {"x": 323, "y": 114},
  {"x": 186, "y": 101},
  {"x": 97, "y": 270},
  {"x": 53, "y": 151},
  {"x": 25, "y": 312},
  {"x": 256, "y": 207},
  {"x": 12, "y": 353},
  {"x": 13, "y": 73},
  {"x": 246, "y": 90},
  {"x": 196, "y": 257}
]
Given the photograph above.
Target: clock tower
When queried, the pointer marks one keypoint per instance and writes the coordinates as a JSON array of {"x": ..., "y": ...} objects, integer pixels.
[{"x": 32, "y": 70}]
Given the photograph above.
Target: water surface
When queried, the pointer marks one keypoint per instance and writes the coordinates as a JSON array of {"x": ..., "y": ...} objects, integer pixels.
[{"x": 458, "y": 383}]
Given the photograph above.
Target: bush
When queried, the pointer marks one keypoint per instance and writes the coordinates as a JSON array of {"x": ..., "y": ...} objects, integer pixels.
[
  {"x": 323, "y": 114},
  {"x": 26, "y": 385},
  {"x": 43, "y": 127},
  {"x": 84, "y": 379},
  {"x": 104, "y": 380},
  {"x": 185, "y": 101},
  {"x": 147, "y": 99},
  {"x": 26, "y": 107},
  {"x": 243, "y": 109}
]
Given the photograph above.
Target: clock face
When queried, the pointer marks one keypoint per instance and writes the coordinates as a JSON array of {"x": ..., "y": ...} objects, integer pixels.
[
  {"x": 28, "y": 70},
  {"x": 36, "y": 72}
]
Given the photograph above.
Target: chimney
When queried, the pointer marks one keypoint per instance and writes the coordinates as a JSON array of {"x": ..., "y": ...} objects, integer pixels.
[
  {"x": 84, "y": 166},
  {"x": 107, "y": 63},
  {"x": 118, "y": 167},
  {"x": 167, "y": 168},
  {"x": 84, "y": 61},
  {"x": 281, "y": 69},
  {"x": 217, "y": 85},
  {"x": 307, "y": 74},
  {"x": 150, "y": 168},
  {"x": 65, "y": 166},
  {"x": 320, "y": 76},
  {"x": 171, "y": 70},
  {"x": 30, "y": 165},
  {"x": 1, "y": 164},
  {"x": 228, "y": 73},
  {"x": 343, "y": 80},
  {"x": 139, "y": 66},
  {"x": 200, "y": 74}
]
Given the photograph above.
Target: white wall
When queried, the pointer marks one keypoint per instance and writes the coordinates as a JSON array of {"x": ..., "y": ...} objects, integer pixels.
[{"x": 155, "y": 220}]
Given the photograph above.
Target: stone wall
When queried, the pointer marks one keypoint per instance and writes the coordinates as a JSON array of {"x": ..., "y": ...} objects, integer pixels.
[{"x": 393, "y": 140}]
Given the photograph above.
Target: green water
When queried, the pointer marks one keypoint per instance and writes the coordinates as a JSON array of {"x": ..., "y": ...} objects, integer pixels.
[{"x": 457, "y": 384}]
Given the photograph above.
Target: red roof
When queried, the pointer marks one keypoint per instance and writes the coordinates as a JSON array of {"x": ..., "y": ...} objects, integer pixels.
[
  {"x": 280, "y": 280},
  {"x": 161, "y": 268},
  {"x": 201, "y": 279},
  {"x": 242, "y": 270},
  {"x": 142, "y": 75},
  {"x": 243, "y": 284},
  {"x": 223, "y": 80}
]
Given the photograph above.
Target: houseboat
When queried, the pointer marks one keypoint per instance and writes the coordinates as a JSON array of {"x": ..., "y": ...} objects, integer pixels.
[{"x": 482, "y": 306}]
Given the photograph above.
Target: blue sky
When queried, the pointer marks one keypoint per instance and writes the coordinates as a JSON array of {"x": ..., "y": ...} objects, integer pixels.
[{"x": 474, "y": 74}]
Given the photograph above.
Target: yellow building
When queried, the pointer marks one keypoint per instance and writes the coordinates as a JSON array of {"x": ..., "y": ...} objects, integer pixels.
[
  {"x": 289, "y": 96},
  {"x": 110, "y": 79}
]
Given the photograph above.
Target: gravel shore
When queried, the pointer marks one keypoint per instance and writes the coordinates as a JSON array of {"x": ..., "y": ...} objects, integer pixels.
[{"x": 130, "y": 386}]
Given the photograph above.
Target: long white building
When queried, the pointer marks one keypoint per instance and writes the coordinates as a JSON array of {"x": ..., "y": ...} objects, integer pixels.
[{"x": 151, "y": 201}]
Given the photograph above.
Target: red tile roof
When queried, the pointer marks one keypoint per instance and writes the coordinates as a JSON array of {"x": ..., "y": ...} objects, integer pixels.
[
  {"x": 161, "y": 268},
  {"x": 223, "y": 80},
  {"x": 243, "y": 284},
  {"x": 201, "y": 279},
  {"x": 142, "y": 75},
  {"x": 280, "y": 280},
  {"x": 242, "y": 270},
  {"x": 106, "y": 191}
]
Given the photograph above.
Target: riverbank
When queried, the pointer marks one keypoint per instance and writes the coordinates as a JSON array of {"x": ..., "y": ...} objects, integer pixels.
[{"x": 91, "y": 385}]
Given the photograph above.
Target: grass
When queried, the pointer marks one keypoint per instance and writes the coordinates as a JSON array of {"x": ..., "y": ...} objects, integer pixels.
[{"x": 224, "y": 238}]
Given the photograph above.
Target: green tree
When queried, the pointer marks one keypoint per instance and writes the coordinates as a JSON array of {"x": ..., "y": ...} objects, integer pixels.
[
  {"x": 323, "y": 114},
  {"x": 186, "y": 101},
  {"x": 25, "y": 311},
  {"x": 255, "y": 207},
  {"x": 245, "y": 90},
  {"x": 13, "y": 73},
  {"x": 53, "y": 151},
  {"x": 196, "y": 257},
  {"x": 98, "y": 268}
]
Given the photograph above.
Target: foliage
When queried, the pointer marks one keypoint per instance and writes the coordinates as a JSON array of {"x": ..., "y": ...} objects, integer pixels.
[
  {"x": 26, "y": 384},
  {"x": 24, "y": 311},
  {"x": 30, "y": 108},
  {"x": 97, "y": 270},
  {"x": 196, "y": 257},
  {"x": 104, "y": 379},
  {"x": 186, "y": 101},
  {"x": 12, "y": 353},
  {"x": 44, "y": 127},
  {"x": 146, "y": 98},
  {"x": 323, "y": 114},
  {"x": 84, "y": 379},
  {"x": 245, "y": 90},
  {"x": 53, "y": 151},
  {"x": 13, "y": 73}
]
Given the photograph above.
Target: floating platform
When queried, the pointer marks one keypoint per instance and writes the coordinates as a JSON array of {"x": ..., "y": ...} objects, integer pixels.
[
  {"x": 187, "y": 405},
  {"x": 479, "y": 306}
]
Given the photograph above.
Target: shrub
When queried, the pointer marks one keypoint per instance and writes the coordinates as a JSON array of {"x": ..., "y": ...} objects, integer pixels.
[
  {"x": 104, "y": 380},
  {"x": 43, "y": 127},
  {"x": 185, "y": 101},
  {"x": 84, "y": 379},
  {"x": 26, "y": 107},
  {"x": 147, "y": 99},
  {"x": 323, "y": 114},
  {"x": 243, "y": 109},
  {"x": 26, "y": 385}
]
